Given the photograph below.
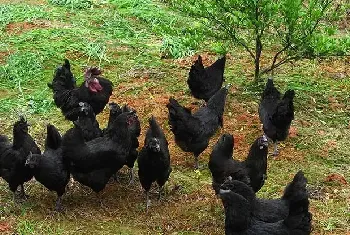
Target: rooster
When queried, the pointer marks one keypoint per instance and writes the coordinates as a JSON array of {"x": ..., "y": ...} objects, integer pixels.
[{"x": 95, "y": 91}]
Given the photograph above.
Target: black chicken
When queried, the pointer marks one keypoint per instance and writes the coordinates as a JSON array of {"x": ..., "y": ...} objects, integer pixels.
[
  {"x": 276, "y": 114},
  {"x": 273, "y": 210},
  {"x": 239, "y": 201},
  {"x": 205, "y": 82},
  {"x": 94, "y": 162},
  {"x": 49, "y": 168},
  {"x": 13, "y": 157},
  {"x": 193, "y": 131},
  {"x": 88, "y": 123},
  {"x": 154, "y": 159},
  {"x": 95, "y": 91},
  {"x": 134, "y": 130},
  {"x": 251, "y": 171}
]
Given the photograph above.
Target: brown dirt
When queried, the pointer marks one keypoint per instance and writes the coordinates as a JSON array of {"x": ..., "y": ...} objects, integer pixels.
[
  {"x": 5, "y": 227},
  {"x": 239, "y": 121},
  {"x": 335, "y": 68},
  {"x": 336, "y": 178},
  {"x": 20, "y": 27},
  {"x": 3, "y": 56},
  {"x": 345, "y": 22}
]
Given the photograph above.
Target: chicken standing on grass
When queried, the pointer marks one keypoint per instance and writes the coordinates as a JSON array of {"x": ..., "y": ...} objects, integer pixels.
[
  {"x": 276, "y": 114},
  {"x": 154, "y": 159},
  {"x": 95, "y": 91},
  {"x": 239, "y": 201},
  {"x": 205, "y": 82},
  {"x": 193, "y": 131},
  {"x": 252, "y": 171},
  {"x": 50, "y": 169},
  {"x": 13, "y": 157},
  {"x": 134, "y": 130}
]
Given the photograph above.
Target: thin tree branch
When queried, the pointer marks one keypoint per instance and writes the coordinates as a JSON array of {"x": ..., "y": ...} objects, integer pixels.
[
  {"x": 230, "y": 32},
  {"x": 287, "y": 46}
]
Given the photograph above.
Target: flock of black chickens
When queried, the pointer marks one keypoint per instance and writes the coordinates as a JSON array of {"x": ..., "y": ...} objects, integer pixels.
[{"x": 92, "y": 156}]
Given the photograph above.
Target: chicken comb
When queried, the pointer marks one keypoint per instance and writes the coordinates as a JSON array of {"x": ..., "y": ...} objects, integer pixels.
[{"x": 92, "y": 71}]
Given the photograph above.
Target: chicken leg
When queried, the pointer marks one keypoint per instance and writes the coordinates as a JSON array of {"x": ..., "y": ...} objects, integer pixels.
[
  {"x": 161, "y": 190},
  {"x": 22, "y": 194},
  {"x": 148, "y": 202},
  {"x": 132, "y": 176},
  {"x": 275, "y": 151},
  {"x": 196, "y": 163},
  {"x": 58, "y": 207}
]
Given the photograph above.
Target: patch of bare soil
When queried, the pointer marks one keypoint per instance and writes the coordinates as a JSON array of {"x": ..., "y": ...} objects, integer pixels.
[
  {"x": 239, "y": 121},
  {"x": 335, "y": 68},
  {"x": 20, "y": 27},
  {"x": 3, "y": 56}
]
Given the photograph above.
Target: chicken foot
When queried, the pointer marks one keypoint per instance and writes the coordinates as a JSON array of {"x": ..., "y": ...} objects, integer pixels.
[
  {"x": 148, "y": 202},
  {"x": 58, "y": 207},
  {"x": 275, "y": 151}
]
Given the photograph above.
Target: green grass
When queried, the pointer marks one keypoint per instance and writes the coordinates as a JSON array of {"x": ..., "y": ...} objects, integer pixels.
[{"x": 136, "y": 44}]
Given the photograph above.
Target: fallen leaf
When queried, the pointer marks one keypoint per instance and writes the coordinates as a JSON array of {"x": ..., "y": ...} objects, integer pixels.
[
  {"x": 293, "y": 132},
  {"x": 4, "y": 227},
  {"x": 336, "y": 178}
]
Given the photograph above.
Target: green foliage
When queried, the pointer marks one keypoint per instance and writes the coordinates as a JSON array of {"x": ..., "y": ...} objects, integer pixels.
[
  {"x": 96, "y": 50},
  {"x": 178, "y": 47},
  {"x": 74, "y": 4},
  {"x": 292, "y": 29}
]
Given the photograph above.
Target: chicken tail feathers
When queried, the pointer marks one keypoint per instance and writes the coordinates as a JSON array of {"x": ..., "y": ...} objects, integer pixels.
[
  {"x": 296, "y": 190},
  {"x": 299, "y": 218},
  {"x": 289, "y": 95},
  {"x": 197, "y": 72},
  {"x": 220, "y": 63},
  {"x": 270, "y": 90},
  {"x": 53, "y": 138}
]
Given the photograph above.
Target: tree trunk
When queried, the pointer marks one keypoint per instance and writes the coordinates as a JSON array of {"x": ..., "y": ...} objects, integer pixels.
[{"x": 258, "y": 44}]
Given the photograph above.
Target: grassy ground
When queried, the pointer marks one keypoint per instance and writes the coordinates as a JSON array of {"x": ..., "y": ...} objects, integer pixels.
[{"x": 127, "y": 39}]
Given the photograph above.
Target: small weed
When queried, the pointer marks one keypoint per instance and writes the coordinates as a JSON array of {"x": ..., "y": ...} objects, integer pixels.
[
  {"x": 96, "y": 50},
  {"x": 73, "y": 4}
]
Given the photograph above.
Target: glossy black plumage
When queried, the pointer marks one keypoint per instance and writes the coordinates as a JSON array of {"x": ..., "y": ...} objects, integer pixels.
[
  {"x": 239, "y": 199},
  {"x": 276, "y": 114},
  {"x": 154, "y": 158},
  {"x": 251, "y": 171},
  {"x": 67, "y": 95},
  {"x": 50, "y": 169},
  {"x": 13, "y": 156},
  {"x": 193, "y": 131},
  {"x": 205, "y": 82}
]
